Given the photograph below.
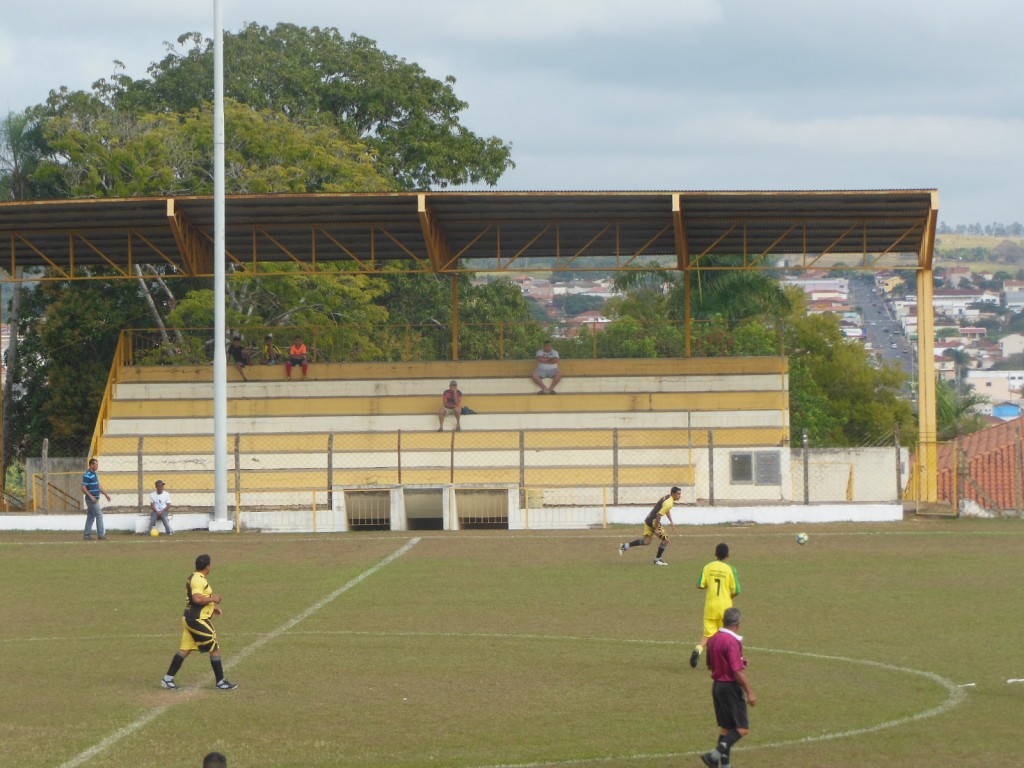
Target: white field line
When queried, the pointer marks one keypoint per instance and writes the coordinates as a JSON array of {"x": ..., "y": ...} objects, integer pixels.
[
  {"x": 956, "y": 695},
  {"x": 757, "y": 531},
  {"x": 152, "y": 714},
  {"x": 116, "y": 736},
  {"x": 273, "y": 635}
]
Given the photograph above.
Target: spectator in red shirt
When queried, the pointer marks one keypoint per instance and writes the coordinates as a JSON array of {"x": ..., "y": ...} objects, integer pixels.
[
  {"x": 730, "y": 691},
  {"x": 297, "y": 355},
  {"x": 451, "y": 405}
]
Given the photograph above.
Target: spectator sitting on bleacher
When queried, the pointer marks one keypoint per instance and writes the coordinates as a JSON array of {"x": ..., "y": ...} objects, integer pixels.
[
  {"x": 451, "y": 405},
  {"x": 297, "y": 355},
  {"x": 269, "y": 352},
  {"x": 239, "y": 355},
  {"x": 547, "y": 368}
]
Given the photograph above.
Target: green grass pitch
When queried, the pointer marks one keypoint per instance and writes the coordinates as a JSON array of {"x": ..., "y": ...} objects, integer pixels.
[{"x": 527, "y": 649}]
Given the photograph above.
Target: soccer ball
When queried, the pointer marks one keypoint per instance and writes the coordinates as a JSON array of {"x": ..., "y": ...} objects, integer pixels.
[
  {"x": 801, "y": 538},
  {"x": 155, "y": 532}
]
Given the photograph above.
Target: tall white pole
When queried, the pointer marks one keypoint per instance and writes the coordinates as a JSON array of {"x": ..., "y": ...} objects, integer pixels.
[{"x": 220, "y": 365}]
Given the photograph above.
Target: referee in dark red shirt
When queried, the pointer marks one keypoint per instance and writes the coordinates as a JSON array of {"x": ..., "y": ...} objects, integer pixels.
[{"x": 731, "y": 691}]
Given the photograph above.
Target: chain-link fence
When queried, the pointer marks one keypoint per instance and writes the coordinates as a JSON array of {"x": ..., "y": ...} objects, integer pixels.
[
  {"x": 627, "y": 338},
  {"x": 536, "y": 474}
]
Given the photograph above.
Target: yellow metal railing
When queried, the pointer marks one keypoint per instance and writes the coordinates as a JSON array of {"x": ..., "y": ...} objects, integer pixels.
[
  {"x": 53, "y": 498},
  {"x": 122, "y": 357},
  {"x": 367, "y": 342}
]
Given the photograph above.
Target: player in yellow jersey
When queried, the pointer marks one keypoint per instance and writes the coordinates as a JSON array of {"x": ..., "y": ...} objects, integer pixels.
[
  {"x": 721, "y": 583},
  {"x": 652, "y": 525},
  {"x": 198, "y": 634}
]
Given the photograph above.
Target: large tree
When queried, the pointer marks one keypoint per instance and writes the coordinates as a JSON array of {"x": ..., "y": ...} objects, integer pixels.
[
  {"x": 69, "y": 331},
  {"x": 864, "y": 402},
  {"x": 317, "y": 75},
  {"x": 97, "y": 150},
  {"x": 311, "y": 111}
]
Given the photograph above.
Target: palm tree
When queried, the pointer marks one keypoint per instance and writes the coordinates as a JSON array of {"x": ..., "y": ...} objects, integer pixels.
[
  {"x": 961, "y": 362},
  {"x": 732, "y": 294},
  {"x": 956, "y": 412}
]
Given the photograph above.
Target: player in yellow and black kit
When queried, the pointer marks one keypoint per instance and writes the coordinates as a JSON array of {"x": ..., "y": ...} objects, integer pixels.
[
  {"x": 722, "y": 584},
  {"x": 652, "y": 525},
  {"x": 198, "y": 634}
]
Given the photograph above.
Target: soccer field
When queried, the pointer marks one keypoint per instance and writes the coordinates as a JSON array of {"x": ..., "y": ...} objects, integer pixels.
[{"x": 527, "y": 649}]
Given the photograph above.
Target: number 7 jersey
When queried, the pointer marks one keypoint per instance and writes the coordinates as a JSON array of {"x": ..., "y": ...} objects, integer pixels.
[{"x": 722, "y": 585}]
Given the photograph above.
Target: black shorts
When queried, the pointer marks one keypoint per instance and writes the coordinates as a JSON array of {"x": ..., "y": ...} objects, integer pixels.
[{"x": 730, "y": 705}]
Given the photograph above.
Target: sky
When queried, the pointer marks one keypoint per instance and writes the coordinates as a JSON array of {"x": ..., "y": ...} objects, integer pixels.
[{"x": 633, "y": 95}]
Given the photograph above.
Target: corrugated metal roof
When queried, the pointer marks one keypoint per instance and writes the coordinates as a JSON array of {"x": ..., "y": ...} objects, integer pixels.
[{"x": 483, "y": 231}]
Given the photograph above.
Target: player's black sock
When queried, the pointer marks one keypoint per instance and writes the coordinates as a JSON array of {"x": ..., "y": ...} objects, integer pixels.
[
  {"x": 725, "y": 744},
  {"x": 661, "y": 551},
  {"x": 635, "y": 543},
  {"x": 218, "y": 667},
  {"x": 176, "y": 663}
]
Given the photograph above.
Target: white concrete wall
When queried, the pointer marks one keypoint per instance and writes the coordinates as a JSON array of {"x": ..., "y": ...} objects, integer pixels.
[
  {"x": 875, "y": 476},
  {"x": 543, "y": 518}
]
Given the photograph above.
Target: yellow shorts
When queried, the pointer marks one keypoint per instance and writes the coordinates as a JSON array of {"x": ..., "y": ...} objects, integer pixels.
[
  {"x": 659, "y": 532},
  {"x": 198, "y": 635},
  {"x": 712, "y": 624}
]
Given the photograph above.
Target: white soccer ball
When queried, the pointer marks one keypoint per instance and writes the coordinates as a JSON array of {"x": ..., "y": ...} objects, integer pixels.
[{"x": 801, "y": 538}]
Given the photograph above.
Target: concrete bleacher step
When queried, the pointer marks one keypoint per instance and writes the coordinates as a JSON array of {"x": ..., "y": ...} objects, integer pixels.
[
  {"x": 630, "y": 428},
  {"x": 471, "y": 387},
  {"x": 755, "y": 420},
  {"x": 492, "y": 404},
  {"x": 717, "y": 371}
]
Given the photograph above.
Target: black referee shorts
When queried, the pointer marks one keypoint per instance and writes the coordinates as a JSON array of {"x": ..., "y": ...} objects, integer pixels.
[{"x": 730, "y": 705}]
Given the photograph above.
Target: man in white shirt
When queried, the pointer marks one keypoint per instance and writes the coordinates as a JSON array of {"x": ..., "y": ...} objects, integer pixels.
[
  {"x": 547, "y": 368},
  {"x": 160, "y": 507}
]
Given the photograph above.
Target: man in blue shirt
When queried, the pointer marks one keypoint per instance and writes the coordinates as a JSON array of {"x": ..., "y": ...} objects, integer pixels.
[{"x": 92, "y": 489}]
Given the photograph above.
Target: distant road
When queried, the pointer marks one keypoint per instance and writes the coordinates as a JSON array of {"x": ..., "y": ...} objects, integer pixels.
[{"x": 884, "y": 333}]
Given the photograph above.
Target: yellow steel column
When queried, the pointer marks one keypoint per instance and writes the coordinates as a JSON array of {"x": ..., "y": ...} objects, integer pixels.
[
  {"x": 683, "y": 264},
  {"x": 927, "y": 422},
  {"x": 927, "y": 447},
  {"x": 455, "y": 316}
]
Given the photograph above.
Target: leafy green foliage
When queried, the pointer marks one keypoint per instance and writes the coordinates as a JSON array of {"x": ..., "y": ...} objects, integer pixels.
[
  {"x": 576, "y": 304},
  {"x": 865, "y": 402},
  {"x": 22, "y": 148},
  {"x": 312, "y": 112},
  {"x": 835, "y": 393},
  {"x": 496, "y": 312},
  {"x": 317, "y": 76},
  {"x": 956, "y": 411},
  {"x": 69, "y": 333},
  {"x": 334, "y": 313},
  {"x": 98, "y": 151}
]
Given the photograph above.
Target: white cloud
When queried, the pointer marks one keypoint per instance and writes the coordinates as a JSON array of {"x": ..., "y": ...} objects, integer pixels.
[
  {"x": 648, "y": 94},
  {"x": 531, "y": 20}
]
